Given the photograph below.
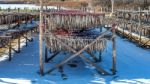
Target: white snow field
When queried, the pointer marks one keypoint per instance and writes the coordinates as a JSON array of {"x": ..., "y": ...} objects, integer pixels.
[{"x": 133, "y": 67}]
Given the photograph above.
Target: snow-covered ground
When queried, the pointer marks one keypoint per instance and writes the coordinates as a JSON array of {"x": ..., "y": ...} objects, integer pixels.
[{"x": 132, "y": 67}]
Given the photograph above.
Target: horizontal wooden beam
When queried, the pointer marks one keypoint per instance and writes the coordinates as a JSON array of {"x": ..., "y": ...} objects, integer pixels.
[
  {"x": 65, "y": 3},
  {"x": 5, "y": 36}
]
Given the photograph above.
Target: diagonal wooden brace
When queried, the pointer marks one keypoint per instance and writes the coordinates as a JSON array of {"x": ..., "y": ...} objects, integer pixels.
[
  {"x": 92, "y": 55},
  {"x": 47, "y": 59},
  {"x": 51, "y": 57},
  {"x": 16, "y": 51},
  {"x": 101, "y": 70},
  {"x": 143, "y": 45},
  {"x": 30, "y": 40}
]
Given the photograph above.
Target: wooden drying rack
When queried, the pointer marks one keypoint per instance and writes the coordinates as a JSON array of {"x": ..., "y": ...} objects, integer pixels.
[
  {"x": 134, "y": 25},
  {"x": 77, "y": 53},
  {"x": 15, "y": 35}
]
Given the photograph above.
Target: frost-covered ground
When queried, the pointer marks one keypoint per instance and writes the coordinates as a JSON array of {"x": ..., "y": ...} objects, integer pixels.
[{"x": 132, "y": 67}]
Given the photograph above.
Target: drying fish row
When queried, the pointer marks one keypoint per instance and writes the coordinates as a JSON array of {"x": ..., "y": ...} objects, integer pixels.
[
  {"x": 14, "y": 18},
  {"x": 134, "y": 27},
  {"x": 74, "y": 21},
  {"x": 74, "y": 28},
  {"x": 76, "y": 43},
  {"x": 135, "y": 16}
]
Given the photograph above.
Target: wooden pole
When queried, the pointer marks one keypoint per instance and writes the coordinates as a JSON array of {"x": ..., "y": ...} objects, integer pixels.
[
  {"x": 139, "y": 28},
  {"x": 100, "y": 52},
  {"x": 131, "y": 30},
  {"x": 46, "y": 54},
  {"x": 112, "y": 6},
  {"x": 31, "y": 34},
  {"x": 124, "y": 17},
  {"x": 100, "y": 56},
  {"x": 41, "y": 39},
  {"x": 10, "y": 49},
  {"x": 124, "y": 21},
  {"x": 9, "y": 45},
  {"x": 19, "y": 44},
  {"x": 114, "y": 52},
  {"x": 26, "y": 38}
]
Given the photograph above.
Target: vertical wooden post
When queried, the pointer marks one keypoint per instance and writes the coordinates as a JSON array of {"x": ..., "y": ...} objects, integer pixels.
[
  {"x": 46, "y": 8},
  {"x": 112, "y": 6},
  {"x": 101, "y": 9},
  {"x": 9, "y": 9},
  {"x": 139, "y": 16},
  {"x": 131, "y": 30},
  {"x": 31, "y": 19},
  {"x": 9, "y": 45},
  {"x": 26, "y": 20},
  {"x": 41, "y": 38},
  {"x": 9, "y": 49},
  {"x": 100, "y": 52},
  {"x": 123, "y": 17},
  {"x": 100, "y": 56},
  {"x": 19, "y": 44},
  {"x": 139, "y": 25},
  {"x": 31, "y": 31},
  {"x": 140, "y": 40},
  {"x": 18, "y": 10},
  {"x": 114, "y": 52},
  {"x": 124, "y": 23},
  {"x": 46, "y": 54},
  {"x": 26, "y": 38},
  {"x": 46, "y": 49},
  {"x": 101, "y": 29}
]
